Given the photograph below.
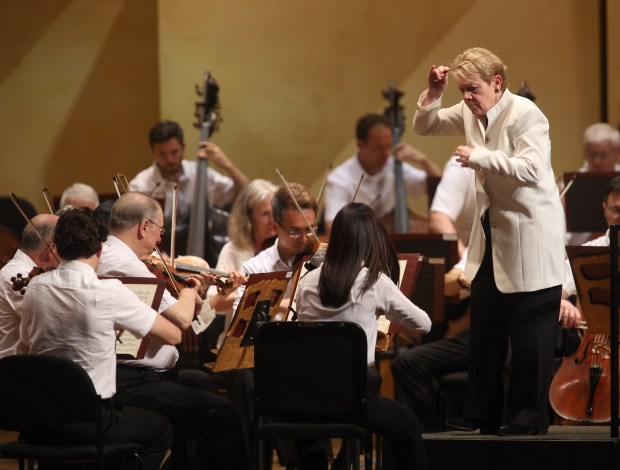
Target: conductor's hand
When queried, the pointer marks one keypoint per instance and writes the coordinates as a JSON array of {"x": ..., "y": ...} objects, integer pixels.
[
  {"x": 463, "y": 152},
  {"x": 437, "y": 83},
  {"x": 570, "y": 316}
]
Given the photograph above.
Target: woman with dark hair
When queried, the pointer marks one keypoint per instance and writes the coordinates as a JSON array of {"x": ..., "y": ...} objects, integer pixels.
[{"x": 354, "y": 284}]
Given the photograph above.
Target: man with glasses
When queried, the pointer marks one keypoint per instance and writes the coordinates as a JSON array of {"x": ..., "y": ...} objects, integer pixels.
[
  {"x": 294, "y": 236},
  {"x": 155, "y": 382}
]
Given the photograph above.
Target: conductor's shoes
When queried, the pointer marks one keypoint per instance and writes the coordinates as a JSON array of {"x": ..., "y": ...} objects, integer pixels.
[
  {"x": 520, "y": 430},
  {"x": 471, "y": 425}
]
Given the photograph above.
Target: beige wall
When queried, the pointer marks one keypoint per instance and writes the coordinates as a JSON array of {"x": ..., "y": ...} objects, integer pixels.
[{"x": 81, "y": 81}]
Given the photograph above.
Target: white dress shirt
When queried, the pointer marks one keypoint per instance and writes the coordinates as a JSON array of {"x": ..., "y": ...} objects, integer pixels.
[
  {"x": 384, "y": 297},
  {"x": 267, "y": 261},
  {"x": 220, "y": 189},
  {"x": 376, "y": 191},
  {"x": 69, "y": 312},
  {"x": 118, "y": 260},
  {"x": 455, "y": 197}
]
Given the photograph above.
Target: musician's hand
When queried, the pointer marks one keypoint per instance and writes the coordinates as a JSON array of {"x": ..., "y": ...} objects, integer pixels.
[
  {"x": 437, "y": 83},
  {"x": 238, "y": 279},
  {"x": 570, "y": 316},
  {"x": 463, "y": 152},
  {"x": 200, "y": 283},
  {"x": 214, "y": 154},
  {"x": 406, "y": 153}
]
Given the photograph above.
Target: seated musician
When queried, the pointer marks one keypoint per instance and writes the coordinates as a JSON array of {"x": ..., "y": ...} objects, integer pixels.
[
  {"x": 611, "y": 211},
  {"x": 601, "y": 146},
  {"x": 79, "y": 195},
  {"x": 32, "y": 253},
  {"x": 356, "y": 283},
  {"x": 170, "y": 167},
  {"x": 374, "y": 160},
  {"x": 155, "y": 382},
  {"x": 294, "y": 236},
  {"x": 53, "y": 323},
  {"x": 454, "y": 203}
]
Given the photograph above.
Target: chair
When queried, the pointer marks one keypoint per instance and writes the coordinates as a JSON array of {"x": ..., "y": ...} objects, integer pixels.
[
  {"x": 310, "y": 379},
  {"x": 47, "y": 392}
]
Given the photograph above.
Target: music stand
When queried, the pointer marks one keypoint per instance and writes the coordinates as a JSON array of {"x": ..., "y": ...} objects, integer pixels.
[
  {"x": 595, "y": 270},
  {"x": 583, "y": 200},
  {"x": 259, "y": 304}
]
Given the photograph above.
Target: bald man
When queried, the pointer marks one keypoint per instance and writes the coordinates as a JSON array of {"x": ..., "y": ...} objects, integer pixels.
[{"x": 31, "y": 253}]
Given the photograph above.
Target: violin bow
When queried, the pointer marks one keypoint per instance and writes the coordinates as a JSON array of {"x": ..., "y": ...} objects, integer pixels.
[
  {"x": 48, "y": 200},
  {"x": 118, "y": 191},
  {"x": 297, "y": 205},
  {"x": 567, "y": 187},
  {"x": 173, "y": 226},
  {"x": 318, "y": 200},
  {"x": 36, "y": 230},
  {"x": 357, "y": 188}
]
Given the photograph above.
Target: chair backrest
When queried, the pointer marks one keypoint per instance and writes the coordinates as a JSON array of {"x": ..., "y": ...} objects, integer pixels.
[
  {"x": 44, "y": 389},
  {"x": 312, "y": 371}
]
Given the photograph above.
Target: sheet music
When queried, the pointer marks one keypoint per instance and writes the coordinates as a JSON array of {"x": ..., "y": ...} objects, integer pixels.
[{"x": 149, "y": 291}]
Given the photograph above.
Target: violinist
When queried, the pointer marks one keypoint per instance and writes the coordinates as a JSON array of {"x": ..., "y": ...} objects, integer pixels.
[
  {"x": 375, "y": 161},
  {"x": 53, "y": 322},
  {"x": 294, "y": 237},
  {"x": 356, "y": 284},
  {"x": 79, "y": 195},
  {"x": 32, "y": 253},
  {"x": 169, "y": 167},
  {"x": 156, "y": 383}
]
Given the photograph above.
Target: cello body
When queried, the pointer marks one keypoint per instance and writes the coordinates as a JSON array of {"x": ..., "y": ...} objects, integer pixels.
[{"x": 581, "y": 388}]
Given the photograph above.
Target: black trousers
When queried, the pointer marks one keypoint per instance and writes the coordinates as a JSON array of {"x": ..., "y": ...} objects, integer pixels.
[
  {"x": 120, "y": 424},
  {"x": 196, "y": 415},
  {"x": 397, "y": 424},
  {"x": 415, "y": 372},
  {"x": 529, "y": 320}
]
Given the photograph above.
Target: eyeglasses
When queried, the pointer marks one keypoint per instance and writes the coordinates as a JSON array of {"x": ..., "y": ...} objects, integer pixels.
[
  {"x": 161, "y": 228},
  {"x": 296, "y": 233}
]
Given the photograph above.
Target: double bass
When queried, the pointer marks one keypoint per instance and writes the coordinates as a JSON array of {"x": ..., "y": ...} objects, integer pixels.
[
  {"x": 402, "y": 220},
  {"x": 207, "y": 225}
]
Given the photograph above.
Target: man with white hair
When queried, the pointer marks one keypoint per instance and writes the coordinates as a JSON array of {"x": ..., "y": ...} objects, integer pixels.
[
  {"x": 79, "y": 195},
  {"x": 601, "y": 148}
]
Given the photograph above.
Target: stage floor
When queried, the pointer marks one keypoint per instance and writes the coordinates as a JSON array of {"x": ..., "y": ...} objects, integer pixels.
[{"x": 565, "y": 447}]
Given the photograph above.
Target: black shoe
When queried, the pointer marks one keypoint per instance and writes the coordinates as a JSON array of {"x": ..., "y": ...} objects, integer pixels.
[
  {"x": 471, "y": 425},
  {"x": 520, "y": 430}
]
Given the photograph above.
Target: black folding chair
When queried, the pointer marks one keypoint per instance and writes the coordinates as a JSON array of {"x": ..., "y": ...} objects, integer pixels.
[
  {"x": 310, "y": 383},
  {"x": 43, "y": 393}
]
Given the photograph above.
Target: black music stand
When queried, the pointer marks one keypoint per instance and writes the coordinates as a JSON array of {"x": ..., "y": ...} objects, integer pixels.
[{"x": 583, "y": 200}]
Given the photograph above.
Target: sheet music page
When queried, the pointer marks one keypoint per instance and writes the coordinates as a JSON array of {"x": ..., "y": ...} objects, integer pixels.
[{"x": 126, "y": 343}]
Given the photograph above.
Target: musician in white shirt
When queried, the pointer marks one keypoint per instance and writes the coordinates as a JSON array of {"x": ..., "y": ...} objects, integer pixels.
[
  {"x": 69, "y": 312},
  {"x": 156, "y": 383}
]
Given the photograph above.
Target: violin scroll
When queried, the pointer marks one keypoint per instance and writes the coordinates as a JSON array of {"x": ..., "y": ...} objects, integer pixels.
[{"x": 19, "y": 282}]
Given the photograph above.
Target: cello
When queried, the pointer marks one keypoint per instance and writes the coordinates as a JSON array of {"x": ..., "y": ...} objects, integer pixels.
[{"x": 203, "y": 217}]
